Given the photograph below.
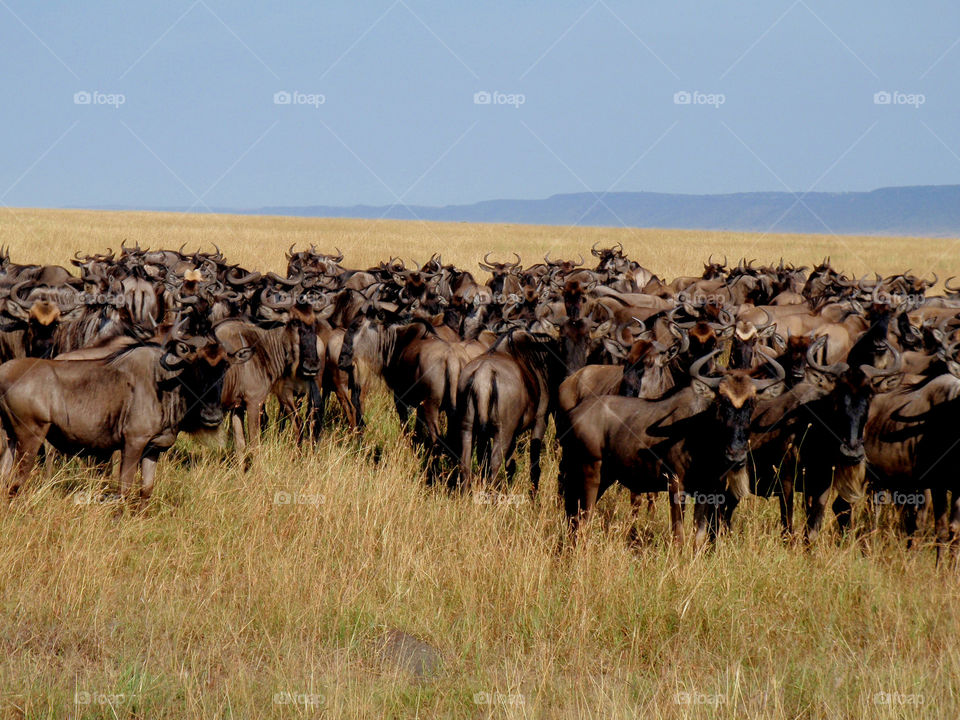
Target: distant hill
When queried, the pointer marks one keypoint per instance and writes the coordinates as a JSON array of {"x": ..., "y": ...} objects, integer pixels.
[{"x": 932, "y": 210}]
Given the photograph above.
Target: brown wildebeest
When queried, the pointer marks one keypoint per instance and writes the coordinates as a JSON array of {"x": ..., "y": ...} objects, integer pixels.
[
  {"x": 135, "y": 401},
  {"x": 911, "y": 446},
  {"x": 287, "y": 350}
]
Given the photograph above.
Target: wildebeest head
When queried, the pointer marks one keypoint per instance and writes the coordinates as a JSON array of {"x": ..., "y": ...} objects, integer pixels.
[
  {"x": 41, "y": 311},
  {"x": 303, "y": 322},
  {"x": 744, "y": 341},
  {"x": 501, "y": 272},
  {"x": 610, "y": 259},
  {"x": 735, "y": 394},
  {"x": 199, "y": 364},
  {"x": 845, "y": 408},
  {"x": 561, "y": 267},
  {"x": 712, "y": 270}
]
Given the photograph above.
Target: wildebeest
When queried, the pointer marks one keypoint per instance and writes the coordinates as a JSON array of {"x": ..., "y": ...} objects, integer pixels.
[
  {"x": 136, "y": 401},
  {"x": 694, "y": 440}
]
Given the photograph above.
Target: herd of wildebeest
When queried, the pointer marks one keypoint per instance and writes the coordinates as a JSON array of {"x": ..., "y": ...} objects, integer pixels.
[{"x": 745, "y": 379}]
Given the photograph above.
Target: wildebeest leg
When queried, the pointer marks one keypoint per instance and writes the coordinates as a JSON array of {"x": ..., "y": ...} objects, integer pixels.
[
  {"x": 844, "y": 513},
  {"x": 786, "y": 506},
  {"x": 466, "y": 446},
  {"x": 25, "y": 454},
  {"x": 909, "y": 521},
  {"x": 675, "y": 495},
  {"x": 501, "y": 449},
  {"x": 48, "y": 455},
  {"x": 730, "y": 503},
  {"x": 315, "y": 407},
  {"x": 236, "y": 423},
  {"x": 700, "y": 521},
  {"x": 148, "y": 471},
  {"x": 130, "y": 458},
  {"x": 536, "y": 448},
  {"x": 587, "y": 491},
  {"x": 816, "y": 506},
  {"x": 253, "y": 424}
]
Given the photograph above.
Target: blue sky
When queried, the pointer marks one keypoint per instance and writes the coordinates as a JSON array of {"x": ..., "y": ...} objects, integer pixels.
[{"x": 181, "y": 103}]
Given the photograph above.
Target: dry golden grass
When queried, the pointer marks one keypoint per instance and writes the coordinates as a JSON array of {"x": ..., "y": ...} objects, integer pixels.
[
  {"x": 52, "y": 236},
  {"x": 220, "y": 602}
]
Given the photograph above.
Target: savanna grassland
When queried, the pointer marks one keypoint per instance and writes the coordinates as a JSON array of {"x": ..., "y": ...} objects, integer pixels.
[{"x": 273, "y": 592}]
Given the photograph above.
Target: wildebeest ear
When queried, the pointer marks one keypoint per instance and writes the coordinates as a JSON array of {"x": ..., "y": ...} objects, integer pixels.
[
  {"x": 727, "y": 331},
  {"x": 615, "y": 349},
  {"x": 888, "y": 383},
  {"x": 771, "y": 391},
  {"x": 702, "y": 389},
  {"x": 602, "y": 329},
  {"x": 241, "y": 355},
  {"x": 953, "y": 367},
  {"x": 779, "y": 344},
  {"x": 815, "y": 377}
]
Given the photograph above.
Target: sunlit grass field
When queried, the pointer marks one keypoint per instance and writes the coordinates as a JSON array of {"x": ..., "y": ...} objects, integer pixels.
[{"x": 270, "y": 592}]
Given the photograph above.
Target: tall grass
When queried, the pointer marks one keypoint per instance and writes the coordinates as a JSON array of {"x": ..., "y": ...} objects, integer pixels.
[{"x": 267, "y": 592}]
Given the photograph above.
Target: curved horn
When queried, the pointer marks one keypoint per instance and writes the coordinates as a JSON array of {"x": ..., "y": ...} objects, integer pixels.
[
  {"x": 769, "y": 321},
  {"x": 641, "y": 323},
  {"x": 593, "y": 249},
  {"x": 546, "y": 258},
  {"x": 712, "y": 382},
  {"x": 781, "y": 374},
  {"x": 580, "y": 255},
  {"x": 872, "y": 371},
  {"x": 234, "y": 279},
  {"x": 517, "y": 262},
  {"x": 289, "y": 282},
  {"x": 834, "y": 370}
]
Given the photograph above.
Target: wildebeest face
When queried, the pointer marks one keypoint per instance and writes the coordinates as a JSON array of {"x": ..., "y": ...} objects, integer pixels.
[
  {"x": 303, "y": 322},
  {"x": 41, "y": 329},
  {"x": 736, "y": 399},
  {"x": 202, "y": 364}
]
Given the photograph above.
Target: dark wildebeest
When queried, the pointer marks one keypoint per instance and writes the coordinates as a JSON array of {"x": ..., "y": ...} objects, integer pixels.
[
  {"x": 812, "y": 438},
  {"x": 694, "y": 440},
  {"x": 135, "y": 401}
]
